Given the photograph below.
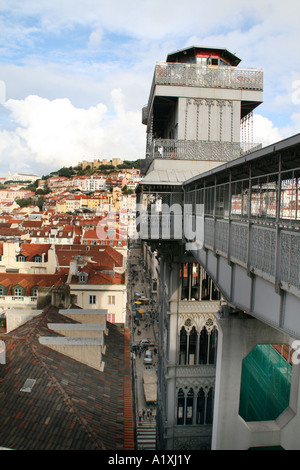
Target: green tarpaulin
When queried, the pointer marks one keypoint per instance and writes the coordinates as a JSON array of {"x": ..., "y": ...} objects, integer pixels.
[{"x": 265, "y": 384}]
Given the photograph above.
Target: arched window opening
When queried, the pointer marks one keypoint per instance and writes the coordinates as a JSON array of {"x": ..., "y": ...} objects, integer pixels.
[
  {"x": 203, "y": 343},
  {"x": 183, "y": 346},
  {"x": 209, "y": 406},
  {"x": 213, "y": 342},
  {"x": 200, "y": 417},
  {"x": 204, "y": 414},
  {"x": 189, "y": 407},
  {"x": 192, "y": 346},
  {"x": 180, "y": 407}
]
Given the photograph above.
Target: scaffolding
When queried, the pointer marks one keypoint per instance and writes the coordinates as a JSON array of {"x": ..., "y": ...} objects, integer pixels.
[{"x": 265, "y": 384}]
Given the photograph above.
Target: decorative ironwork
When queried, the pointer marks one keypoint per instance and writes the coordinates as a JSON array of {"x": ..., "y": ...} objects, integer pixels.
[
  {"x": 197, "y": 150},
  {"x": 204, "y": 76}
]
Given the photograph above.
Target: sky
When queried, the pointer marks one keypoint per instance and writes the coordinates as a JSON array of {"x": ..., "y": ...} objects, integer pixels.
[{"x": 75, "y": 74}]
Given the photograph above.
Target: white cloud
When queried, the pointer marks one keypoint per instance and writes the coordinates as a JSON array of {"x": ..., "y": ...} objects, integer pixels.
[
  {"x": 82, "y": 50},
  {"x": 264, "y": 131},
  {"x": 95, "y": 38},
  {"x": 54, "y": 133}
]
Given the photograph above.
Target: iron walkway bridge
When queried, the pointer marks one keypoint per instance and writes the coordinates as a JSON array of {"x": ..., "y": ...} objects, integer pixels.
[{"x": 241, "y": 221}]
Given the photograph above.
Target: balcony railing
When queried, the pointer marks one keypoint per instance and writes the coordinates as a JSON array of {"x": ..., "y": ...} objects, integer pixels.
[
  {"x": 197, "y": 150},
  {"x": 206, "y": 76},
  {"x": 17, "y": 299}
]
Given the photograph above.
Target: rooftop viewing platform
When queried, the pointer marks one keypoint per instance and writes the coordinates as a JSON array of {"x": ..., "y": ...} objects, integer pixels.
[
  {"x": 204, "y": 76},
  {"x": 240, "y": 78}
]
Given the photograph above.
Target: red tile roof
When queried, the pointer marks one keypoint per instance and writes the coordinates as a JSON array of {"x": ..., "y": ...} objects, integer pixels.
[
  {"x": 28, "y": 281},
  {"x": 71, "y": 405},
  {"x": 30, "y": 250}
]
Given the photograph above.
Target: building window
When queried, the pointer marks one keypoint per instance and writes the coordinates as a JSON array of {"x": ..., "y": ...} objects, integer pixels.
[
  {"x": 198, "y": 348},
  {"x": 92, "y": 300},
  {"x": 21, "y": 258},
  {"x": 204, "y": 413},
  {"x": 37, "y": 259},
  {"x": 1, "y": 290},
  {"x": 193, "y": 409},
  {"x": 82, "y": 277},
  {"x": 111, "y": 300},
  {"x": 189, "y": 407},
  {"x": 183, "y": 344},
  {"x": 203, "y": 352},
  {"x": 111, "y": 317},
  {"x": 34, "y": 292},
  {"x": 17, "y": 292},
  {"x": 180, "y": 407}
]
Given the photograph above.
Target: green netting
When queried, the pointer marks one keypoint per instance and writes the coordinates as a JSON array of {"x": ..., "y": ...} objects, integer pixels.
[{"x": 265, "y": 384}]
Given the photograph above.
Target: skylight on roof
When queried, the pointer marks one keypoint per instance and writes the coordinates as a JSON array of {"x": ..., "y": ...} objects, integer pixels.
[{"x": 28, "y": 385}]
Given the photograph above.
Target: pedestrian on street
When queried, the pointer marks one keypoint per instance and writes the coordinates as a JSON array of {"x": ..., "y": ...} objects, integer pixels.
[{"x": 140, "y": 416}]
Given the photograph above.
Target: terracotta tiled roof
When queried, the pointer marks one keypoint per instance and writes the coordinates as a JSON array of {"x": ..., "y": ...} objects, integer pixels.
[
  {"x": 100, "y": 278},
  {"x": 30, "y": 250},
  {"x": 71, "y": 405},
  {"x": 28, "y": 281},
  {"x": 101, "y": 256}
]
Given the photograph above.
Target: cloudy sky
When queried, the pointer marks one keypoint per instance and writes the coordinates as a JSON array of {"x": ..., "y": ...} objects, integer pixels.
[{"x": 75, "y": 74}]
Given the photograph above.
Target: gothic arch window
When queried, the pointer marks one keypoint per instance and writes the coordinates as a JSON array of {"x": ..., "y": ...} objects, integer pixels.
[
  {"x": 204, "y": 412},
  {"x": 192, "y": 345},
  {"x": 203, "y": 343},
  {"x": 209, "y": 406},
  {"x": 185, "y": 407},
  {"x": 208, "y": 346},
  {"x": 213, "y": 341},
  {"x": 183, "y": 346},
  {"x": 189, "y": 407},
  {"x": 180, "y": 407},
  {"x": 197, "y": 348},
  {"x": 200, "y": 416}
]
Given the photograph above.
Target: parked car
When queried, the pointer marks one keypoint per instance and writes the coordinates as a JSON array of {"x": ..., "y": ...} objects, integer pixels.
[
  {"x": 145, "y": 342},
  {"x": 148, "y": 357}
]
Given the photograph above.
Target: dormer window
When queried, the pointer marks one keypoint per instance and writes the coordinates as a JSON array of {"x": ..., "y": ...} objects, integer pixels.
[
  {"x": 37, "y": 259},
  {"x": 17, "y": 292},
  {"x": 82, "y": 277},
  {"x": 21, "y": 258},
  {"x": 34, "y": 292}
]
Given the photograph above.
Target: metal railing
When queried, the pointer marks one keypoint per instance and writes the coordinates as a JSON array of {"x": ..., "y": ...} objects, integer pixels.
[
  {"x": 197, "y": 150},
  {"x": 8, "y": 299},
  {"x": 209, "y": 77},
  {"x": 250, "y": 214}
]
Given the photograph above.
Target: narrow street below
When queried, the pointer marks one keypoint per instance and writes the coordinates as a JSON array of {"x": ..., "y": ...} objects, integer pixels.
[{"x": 143, "y": 329}]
